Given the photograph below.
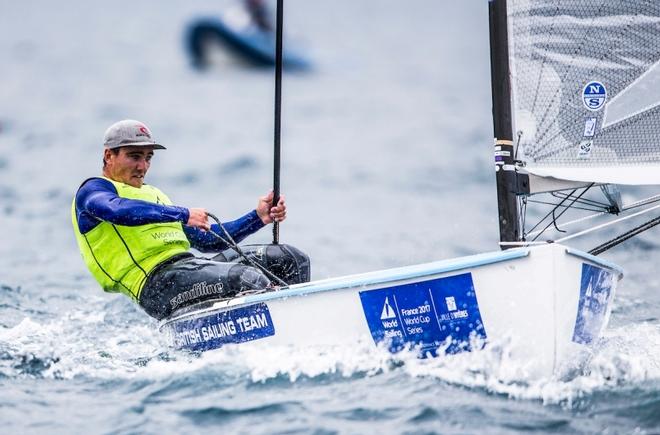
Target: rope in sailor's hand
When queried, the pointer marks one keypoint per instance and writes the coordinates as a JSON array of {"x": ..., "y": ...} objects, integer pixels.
[{"x": 229, "y": 241}]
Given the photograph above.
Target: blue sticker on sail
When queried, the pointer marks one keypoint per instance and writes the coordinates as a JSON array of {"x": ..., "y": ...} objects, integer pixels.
[
  {"x": 233, "y": 326},
  {"x": 595, "y": 296},
  {"x": 425, "y": 314},
  {"x": 594, "y": 95}
]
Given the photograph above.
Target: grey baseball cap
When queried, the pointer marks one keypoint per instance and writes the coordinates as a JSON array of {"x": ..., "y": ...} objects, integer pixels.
[{"x": 129, "y": 132}]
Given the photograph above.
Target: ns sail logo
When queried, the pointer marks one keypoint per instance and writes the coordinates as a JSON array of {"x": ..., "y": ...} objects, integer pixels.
[{"x": 594, "y": 95}]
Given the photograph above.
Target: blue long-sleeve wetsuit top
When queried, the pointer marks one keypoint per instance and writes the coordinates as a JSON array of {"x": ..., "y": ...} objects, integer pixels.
[{"x": 97, "y": 200}]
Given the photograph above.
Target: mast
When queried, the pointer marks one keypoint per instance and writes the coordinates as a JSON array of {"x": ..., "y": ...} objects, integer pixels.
[
  {"x": 278, "y": 114},
  {"x": 505, "y": 173}
]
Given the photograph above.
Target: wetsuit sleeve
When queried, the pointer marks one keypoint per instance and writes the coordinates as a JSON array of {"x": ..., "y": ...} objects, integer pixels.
[
  {"x": 97, "y": 201},
  {"x": 239, "y": 229}
]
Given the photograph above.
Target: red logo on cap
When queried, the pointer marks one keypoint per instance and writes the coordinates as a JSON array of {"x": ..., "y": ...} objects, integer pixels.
[{"x": 144, "y": 131}]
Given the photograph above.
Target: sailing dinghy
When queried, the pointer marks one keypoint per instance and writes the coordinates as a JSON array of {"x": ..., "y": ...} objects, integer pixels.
[
  {"x": 234, "y": 32},
  {"x": 576, "y": 106}
]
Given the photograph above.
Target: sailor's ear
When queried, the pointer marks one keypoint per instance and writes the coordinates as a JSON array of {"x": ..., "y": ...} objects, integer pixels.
[{"x": 107, "y": 152}]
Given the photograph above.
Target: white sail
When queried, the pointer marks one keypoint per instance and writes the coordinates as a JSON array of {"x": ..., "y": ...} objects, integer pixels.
[{"x": 585, "y": 80}]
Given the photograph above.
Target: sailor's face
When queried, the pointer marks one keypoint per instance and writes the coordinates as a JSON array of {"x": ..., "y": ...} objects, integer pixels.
[{"x": 129, "y": 165}]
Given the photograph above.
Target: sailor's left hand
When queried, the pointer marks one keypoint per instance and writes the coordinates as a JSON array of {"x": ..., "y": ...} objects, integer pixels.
[{"x": 269, "y": 214}]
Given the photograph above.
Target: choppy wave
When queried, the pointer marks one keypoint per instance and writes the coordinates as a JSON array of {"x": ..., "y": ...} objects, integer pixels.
[{"x": 86, "y": 344}]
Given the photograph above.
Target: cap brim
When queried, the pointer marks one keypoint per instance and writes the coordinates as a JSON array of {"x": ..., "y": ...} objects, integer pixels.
[{"x": 155, "y": 146}]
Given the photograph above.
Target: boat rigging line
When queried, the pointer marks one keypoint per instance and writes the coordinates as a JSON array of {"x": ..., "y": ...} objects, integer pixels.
[
  {"x": 609, "y": 244},
  {"x": 597, "y": 227},
  {"x": 640, "y": 203},
  {"x": 625, "y": 236},
  {"x": 595, "y": 205},
  {"x": 229, "y": 241},
  {"x": 536, "y": 201},
  {"x": 552, "y": 212}
]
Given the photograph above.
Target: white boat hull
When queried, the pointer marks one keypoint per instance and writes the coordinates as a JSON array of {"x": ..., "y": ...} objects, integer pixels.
[{"x": 546, "y": 302}]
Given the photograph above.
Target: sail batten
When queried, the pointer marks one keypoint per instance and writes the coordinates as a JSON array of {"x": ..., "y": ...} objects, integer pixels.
[{"x": 585, "y": 80}]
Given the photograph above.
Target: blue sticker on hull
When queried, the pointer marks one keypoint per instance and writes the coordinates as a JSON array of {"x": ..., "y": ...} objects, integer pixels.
[
  {"x": 424, "y": 314},
  {"x": 233, "y": 326},
  {"x": 595, "y": 295}
]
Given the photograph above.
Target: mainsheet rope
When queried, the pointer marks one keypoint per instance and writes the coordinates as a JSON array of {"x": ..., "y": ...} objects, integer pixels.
[{"x": 229, "y": 241}]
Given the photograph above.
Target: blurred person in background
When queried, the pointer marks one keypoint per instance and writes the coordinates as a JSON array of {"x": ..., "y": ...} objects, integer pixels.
[
  {"x": 136, "y": 242},
  {"x": 260, "y": 14}
]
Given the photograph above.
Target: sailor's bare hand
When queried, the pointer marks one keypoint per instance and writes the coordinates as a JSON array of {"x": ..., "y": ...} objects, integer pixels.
[
  {"x": 199, "y": 218},
  {"x": 269, "y": 214}
]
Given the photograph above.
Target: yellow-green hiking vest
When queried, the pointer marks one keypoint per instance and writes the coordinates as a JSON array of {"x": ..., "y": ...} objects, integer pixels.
[{"x": 120, "y": 257}]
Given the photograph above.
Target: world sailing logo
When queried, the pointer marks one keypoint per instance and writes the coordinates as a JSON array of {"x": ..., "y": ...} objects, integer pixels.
[
  {"x": 594, "y": 95},
  {"x": 388, "y": 312}
]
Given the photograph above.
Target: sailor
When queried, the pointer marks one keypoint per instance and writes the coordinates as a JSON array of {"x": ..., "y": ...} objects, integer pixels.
[
  {"x": 136, "y": 242},
  {"x": 259, "y": 14}
]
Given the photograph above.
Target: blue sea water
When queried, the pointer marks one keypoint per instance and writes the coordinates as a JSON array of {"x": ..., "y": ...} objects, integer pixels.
[{"x": 386, "y": 162}]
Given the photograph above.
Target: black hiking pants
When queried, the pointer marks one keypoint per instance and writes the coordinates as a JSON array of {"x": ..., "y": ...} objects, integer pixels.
[{"x": 185, "y": 279}]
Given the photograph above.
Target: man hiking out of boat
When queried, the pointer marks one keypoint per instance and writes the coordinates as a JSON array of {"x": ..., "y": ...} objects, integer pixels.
[{"x": 136, "y": 242}]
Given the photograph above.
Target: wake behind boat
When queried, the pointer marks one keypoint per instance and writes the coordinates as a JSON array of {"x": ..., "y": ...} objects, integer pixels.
[{"x": 562, "y": 80}]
